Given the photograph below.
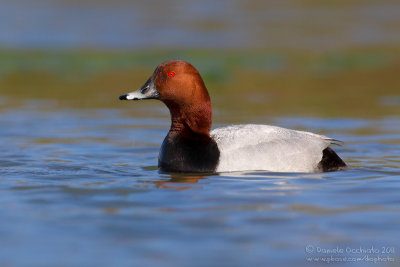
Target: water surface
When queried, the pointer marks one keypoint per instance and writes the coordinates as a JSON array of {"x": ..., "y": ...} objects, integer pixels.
[
  {"x": 79, "y": 183},
  {"x": 81, "y": 187},
  {"x": 309, "y": 25}
]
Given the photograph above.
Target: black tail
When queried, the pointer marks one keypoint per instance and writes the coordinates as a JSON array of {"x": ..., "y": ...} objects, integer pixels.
[{"x": 331, "y": 161}]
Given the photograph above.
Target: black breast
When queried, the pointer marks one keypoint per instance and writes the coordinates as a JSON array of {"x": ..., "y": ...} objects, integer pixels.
[{"x": 179, "y": 154}]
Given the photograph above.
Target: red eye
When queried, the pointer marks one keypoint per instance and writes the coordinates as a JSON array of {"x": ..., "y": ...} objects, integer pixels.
[{"x": 171, "y": 74}]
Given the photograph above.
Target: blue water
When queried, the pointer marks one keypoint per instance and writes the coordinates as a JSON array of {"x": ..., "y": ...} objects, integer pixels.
[
  {"x": 80, "y": 187},
  {"x": 318, "y": 26}
]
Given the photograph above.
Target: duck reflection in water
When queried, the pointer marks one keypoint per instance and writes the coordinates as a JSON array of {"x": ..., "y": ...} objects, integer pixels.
[{"x": 180, "y": 181}]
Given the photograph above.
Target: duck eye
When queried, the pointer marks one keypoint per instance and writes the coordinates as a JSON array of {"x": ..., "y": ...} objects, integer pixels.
[{"x": 171, "y": 74}]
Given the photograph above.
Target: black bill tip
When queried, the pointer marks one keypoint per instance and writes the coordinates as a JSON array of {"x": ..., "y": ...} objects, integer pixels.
[{"x": 123, "y": 97}]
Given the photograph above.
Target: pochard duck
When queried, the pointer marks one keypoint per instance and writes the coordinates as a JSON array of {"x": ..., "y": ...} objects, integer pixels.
[{"x": 190, "y": 146}]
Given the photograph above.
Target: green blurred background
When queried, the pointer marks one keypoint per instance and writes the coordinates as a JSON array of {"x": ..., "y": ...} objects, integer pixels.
[{"x": 258, "y": 58}]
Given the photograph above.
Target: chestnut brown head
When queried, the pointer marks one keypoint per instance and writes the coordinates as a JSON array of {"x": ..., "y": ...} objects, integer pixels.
[{"x": 179, "y": 85}]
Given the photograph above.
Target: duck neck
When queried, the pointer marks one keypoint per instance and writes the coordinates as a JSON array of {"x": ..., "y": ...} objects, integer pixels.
[{"x": 191, "y": 121}]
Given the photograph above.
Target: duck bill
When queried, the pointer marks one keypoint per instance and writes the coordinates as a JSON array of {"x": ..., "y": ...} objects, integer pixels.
[{"x": 147, "y": 91}]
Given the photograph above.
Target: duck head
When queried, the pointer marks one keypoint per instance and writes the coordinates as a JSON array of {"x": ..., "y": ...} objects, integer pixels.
[{"x": 180, "y": 87}]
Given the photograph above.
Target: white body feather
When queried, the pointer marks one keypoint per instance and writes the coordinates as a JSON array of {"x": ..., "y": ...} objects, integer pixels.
[{"x": 271, "y": 148}]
